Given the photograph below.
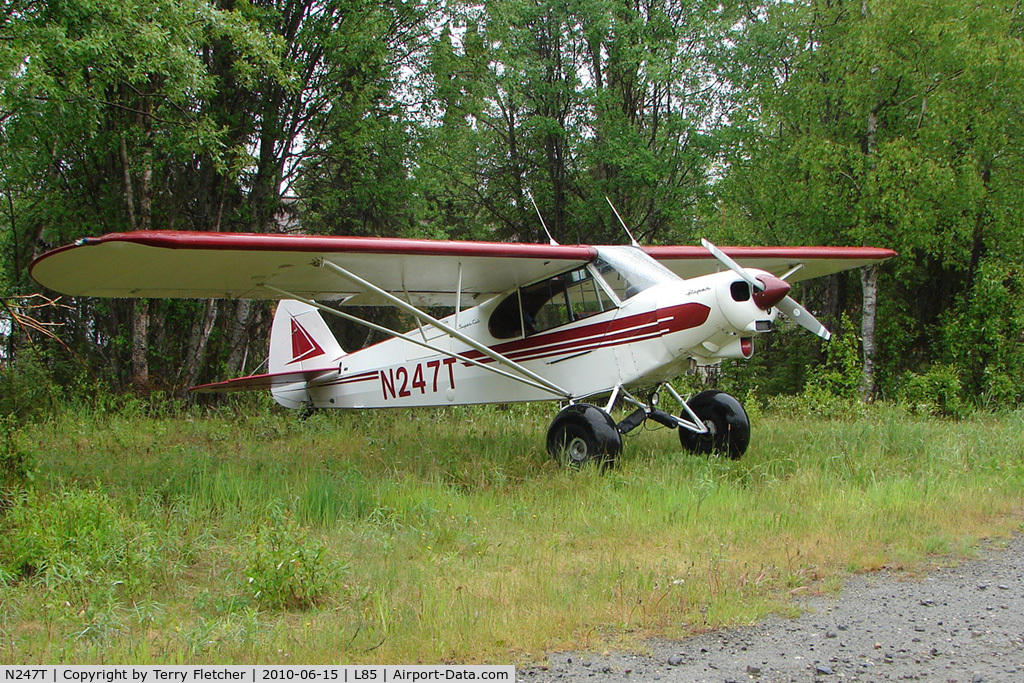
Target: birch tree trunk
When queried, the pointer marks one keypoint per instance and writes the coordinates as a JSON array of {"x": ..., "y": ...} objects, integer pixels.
[
  {"x": 869, "y": 291},
  {"x": 238, "y": 342},
  {"x": 141, "y": 220}
]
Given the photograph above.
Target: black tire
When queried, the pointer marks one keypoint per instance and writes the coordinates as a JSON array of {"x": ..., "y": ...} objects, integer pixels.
[
  {"x": 727, "y": 422},
  {"x": 581, "y": 434}
]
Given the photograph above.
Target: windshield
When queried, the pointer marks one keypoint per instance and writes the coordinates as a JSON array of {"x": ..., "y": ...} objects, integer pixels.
[{"x": 629, "y": 271}]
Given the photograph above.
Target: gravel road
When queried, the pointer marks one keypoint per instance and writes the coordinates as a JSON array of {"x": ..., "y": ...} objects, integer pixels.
[{"x": 963, "y": 624}]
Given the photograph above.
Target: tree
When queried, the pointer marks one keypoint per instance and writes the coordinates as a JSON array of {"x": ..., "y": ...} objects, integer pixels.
[
  {"x": 881, "y": 123},
  {"x": 353, "y": 168},
  {"x": 105, "y": 125},
  {"x": 567, "y": 103}
]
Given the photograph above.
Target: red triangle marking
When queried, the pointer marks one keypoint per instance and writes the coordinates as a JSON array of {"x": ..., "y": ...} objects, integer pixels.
[{"x": 304, "y": 346}]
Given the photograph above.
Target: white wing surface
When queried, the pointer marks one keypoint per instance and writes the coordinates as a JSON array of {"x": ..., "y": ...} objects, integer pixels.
[{"x": 169, "y": 264}]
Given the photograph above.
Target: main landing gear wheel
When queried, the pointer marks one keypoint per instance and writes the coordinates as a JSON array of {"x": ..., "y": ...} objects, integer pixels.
[
  {"x": 728, "y": 426},
  {"x": 582, "y": 433}
]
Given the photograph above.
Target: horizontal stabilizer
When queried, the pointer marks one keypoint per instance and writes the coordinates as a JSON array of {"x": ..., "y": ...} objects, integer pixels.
[{"x": 262, "y": 382}]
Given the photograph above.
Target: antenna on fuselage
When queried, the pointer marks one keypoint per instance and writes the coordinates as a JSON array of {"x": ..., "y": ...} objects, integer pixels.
[
  {"x": 623, "y": 223},
  {"x": 551, "y": 240}
]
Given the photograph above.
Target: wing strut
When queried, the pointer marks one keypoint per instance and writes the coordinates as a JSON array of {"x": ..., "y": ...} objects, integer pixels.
[
  {"x": 405, "y": 337},
  {"x": 449, "y": 330},
  {"x": 458, "y": 295}
]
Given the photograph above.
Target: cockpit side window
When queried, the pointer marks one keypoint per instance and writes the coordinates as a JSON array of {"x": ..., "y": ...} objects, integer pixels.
[{"x": 559, "y": 300}]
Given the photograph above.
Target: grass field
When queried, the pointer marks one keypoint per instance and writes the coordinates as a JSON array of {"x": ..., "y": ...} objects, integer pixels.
[{"x": 247, "y": 535}]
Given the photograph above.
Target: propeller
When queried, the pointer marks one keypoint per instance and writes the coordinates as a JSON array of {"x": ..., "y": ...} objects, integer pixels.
[{"x": 769, "y": 291}]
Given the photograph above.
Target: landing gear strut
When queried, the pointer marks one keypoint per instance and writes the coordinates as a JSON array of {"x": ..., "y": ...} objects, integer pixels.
[{"x": 710, "y": 422}]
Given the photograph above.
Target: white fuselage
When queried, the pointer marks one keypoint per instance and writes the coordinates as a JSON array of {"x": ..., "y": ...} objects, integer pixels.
[{"x": 645, "y": 339}]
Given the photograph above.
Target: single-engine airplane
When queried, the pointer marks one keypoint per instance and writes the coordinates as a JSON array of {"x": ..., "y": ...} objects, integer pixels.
[{"x": 531, "y": 322}]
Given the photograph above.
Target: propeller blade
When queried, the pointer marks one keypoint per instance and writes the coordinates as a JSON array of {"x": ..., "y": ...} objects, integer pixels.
[
  {"x": 801, "y": 317},
  {"x": 732, "y": 265}
]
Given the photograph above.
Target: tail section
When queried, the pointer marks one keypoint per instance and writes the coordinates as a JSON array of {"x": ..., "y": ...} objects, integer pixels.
[
  {"x": 302, "y": 350},
  {"x": 300, "y": 342}
]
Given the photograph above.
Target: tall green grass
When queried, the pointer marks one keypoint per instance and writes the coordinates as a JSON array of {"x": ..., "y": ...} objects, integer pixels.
[{"x": 249, "y": 535}]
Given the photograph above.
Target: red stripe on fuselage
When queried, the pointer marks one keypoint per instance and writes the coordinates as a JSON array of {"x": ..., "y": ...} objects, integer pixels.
[{"x": 625, "y": 330}]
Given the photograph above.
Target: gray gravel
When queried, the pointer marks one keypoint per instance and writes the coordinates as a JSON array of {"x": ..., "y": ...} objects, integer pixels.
[{"x": 963, "y": 624}]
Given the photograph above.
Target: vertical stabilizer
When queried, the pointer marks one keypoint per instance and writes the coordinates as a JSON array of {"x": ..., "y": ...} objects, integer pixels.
[{"x": 300, "y": 340}]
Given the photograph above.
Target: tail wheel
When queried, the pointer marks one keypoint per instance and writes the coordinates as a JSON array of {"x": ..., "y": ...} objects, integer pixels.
[
  {"x": 728, "y": 426},
  {"x": 581, "y": 434}
]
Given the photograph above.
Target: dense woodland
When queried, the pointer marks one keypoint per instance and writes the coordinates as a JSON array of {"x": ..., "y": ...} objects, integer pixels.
[{"x": 892, "y": 123}]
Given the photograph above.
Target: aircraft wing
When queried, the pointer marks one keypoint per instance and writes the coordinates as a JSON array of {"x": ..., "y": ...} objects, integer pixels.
[
  {"x": 687, "y": 262},
  {"x": 207, "y": 265}
]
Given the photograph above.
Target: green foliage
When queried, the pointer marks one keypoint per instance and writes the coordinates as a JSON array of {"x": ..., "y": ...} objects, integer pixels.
[
  {"x": 841, "y": 374},
  {"x": 78, "y": 543},
  {"x": 832, "y": 387},
  {"x": 354, "y": 177},
  {"x": 26, "y": 386},
  {"x": 287, "y": 568},
  {"x": 16, "y": 468},
  {"x": 116, "y": 117},
  {"x": 870, "y": 124},
  {"x": 982, "y": 334},
  {"x": 935, "y": 392},
  {"x": 569, "y": 104},
  {"x": 780, "y": 363}
]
